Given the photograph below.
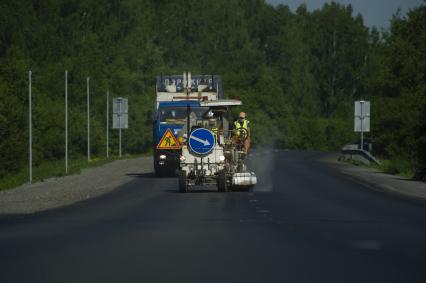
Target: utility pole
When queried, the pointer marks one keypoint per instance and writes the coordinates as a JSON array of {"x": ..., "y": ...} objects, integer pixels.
[
  {"x": 66, "y": 122},
  {"x": 119, "y": 122},
  {"x": 88, "y": 120},
  {"x": 362, "y": 121},
  {"x": 107, "y": 125},
  {"x": 30, "y": 134}
]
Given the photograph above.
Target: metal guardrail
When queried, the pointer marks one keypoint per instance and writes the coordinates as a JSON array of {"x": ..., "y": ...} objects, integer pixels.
[{"x": 352, "y": 149}]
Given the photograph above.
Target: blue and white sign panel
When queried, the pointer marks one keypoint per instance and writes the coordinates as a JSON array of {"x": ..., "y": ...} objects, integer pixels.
[{"x": 201, "y": 141}]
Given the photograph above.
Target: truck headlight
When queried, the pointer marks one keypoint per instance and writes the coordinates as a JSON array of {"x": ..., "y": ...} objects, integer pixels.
[
  {"x": 182, "y": 158},
  {"x": 222, "y": 158},
  {"x": 163, "y": 156}
]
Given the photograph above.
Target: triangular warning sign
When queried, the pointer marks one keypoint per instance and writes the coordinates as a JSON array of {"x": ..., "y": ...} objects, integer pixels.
[{"x": 168, "y": 141}]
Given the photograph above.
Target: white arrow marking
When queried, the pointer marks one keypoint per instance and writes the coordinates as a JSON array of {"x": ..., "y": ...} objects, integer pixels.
[{"x": 205, "y": 142}]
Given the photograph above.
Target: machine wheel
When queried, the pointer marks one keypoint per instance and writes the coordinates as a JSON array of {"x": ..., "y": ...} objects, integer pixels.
[
  {"x": 164, "y": 171},
  {"x": 159, "y": 172},
  {"x": 222, "y": 186},
  {"x": 183, "y": 182},
  {"x": 156, "y": 167}
]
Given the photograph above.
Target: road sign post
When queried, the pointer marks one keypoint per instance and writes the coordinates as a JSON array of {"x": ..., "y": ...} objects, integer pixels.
[
  {"x": 362, "y": 119},
  {"x": 30, "y": 130},
  {"x": 88, "y": 119},
  {"x": 119, "y": 129},
  {"x": 66, "y": 122},
  {"x": 120, "y": 117},
  {"x": 107, "y": 125}
]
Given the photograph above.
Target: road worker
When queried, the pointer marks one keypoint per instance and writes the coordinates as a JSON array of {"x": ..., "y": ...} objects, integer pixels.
[{"x": 242, "y": 131}]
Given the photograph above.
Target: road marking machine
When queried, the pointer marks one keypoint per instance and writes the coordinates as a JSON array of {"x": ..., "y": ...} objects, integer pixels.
[{"x": 212, "y": 154}]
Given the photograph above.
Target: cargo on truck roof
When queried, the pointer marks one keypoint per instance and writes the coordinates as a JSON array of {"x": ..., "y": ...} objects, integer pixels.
[{"x": 213, "y": 83}]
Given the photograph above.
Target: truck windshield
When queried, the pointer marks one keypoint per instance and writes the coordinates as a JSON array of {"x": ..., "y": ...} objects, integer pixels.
[{"x": 177, "y": 115}]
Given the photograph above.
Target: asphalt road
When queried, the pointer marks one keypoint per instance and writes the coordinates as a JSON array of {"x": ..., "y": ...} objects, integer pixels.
[{"x": 304, "y": 222}]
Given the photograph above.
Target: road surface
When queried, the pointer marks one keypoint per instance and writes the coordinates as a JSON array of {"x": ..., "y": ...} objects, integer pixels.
[{"x": 304, "y": 222}]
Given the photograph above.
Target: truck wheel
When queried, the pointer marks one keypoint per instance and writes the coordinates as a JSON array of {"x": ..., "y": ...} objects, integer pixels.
[
  {"x": 222, "y": 186},
  {"x": 183, "y": 182},
  {"x": 158, "y": 173}
]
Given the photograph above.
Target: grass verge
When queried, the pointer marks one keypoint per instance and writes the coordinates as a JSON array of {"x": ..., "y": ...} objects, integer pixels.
[
  {"x": 393, "y": 167},
  {"x": 397, "y": 167},
  {"x": 55, "y": 168}
]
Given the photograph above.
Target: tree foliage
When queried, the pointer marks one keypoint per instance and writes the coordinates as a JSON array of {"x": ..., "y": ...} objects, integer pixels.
[{"x": 297, "y": 73}]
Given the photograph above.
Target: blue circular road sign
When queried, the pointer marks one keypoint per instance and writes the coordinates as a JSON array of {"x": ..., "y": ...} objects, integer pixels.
[{"x": 201, "y": 141}]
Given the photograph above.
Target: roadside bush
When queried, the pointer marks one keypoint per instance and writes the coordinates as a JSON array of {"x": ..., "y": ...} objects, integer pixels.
[{"x": 397, "y": 166}]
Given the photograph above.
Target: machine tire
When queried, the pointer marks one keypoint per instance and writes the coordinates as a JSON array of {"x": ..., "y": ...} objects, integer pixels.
[
  {"x": 222, "y": 186},
  {"x": 158, "y": 172},
  {"x": 165, "y": 171},
  {"x": 156, "y": 167},
  {"x": 183, "y": 182}
]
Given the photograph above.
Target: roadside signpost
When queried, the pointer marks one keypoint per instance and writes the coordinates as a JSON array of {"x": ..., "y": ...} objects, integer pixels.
[
  {"x": 362, "y": 118},
  {"x": 30, "y": 130},
  {"x": 66, "y": 122},
  {"x": 107, "y": 125},
  {"x": 88, "y": 118},
  {"x": 120, "y": 115}
]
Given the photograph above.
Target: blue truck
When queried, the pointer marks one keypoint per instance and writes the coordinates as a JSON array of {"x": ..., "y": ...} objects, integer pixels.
[{"x": 175, "y": 95}]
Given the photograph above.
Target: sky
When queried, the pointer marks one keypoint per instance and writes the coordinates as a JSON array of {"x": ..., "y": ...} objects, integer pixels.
[{"x": 374, "y": 12}]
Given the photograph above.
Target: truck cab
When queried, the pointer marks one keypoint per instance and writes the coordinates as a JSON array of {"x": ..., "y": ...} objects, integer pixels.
[
  {"x": 171, "y": 118},
  {"x": 174, "y": 95}
]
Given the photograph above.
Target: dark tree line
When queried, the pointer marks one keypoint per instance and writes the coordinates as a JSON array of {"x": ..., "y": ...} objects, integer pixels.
[{"x": 297, "y": 73}]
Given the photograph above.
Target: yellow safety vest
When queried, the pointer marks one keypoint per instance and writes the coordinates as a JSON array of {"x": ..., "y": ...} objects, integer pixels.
[
  {"x": 243, "y": 126},
  {"x": 238, "y": 125}
]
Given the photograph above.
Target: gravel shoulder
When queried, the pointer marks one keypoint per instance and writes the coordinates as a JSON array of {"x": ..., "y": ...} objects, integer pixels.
[
  {"x": 62, "y": 191},
  {"x": 377, "y": 180}
]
